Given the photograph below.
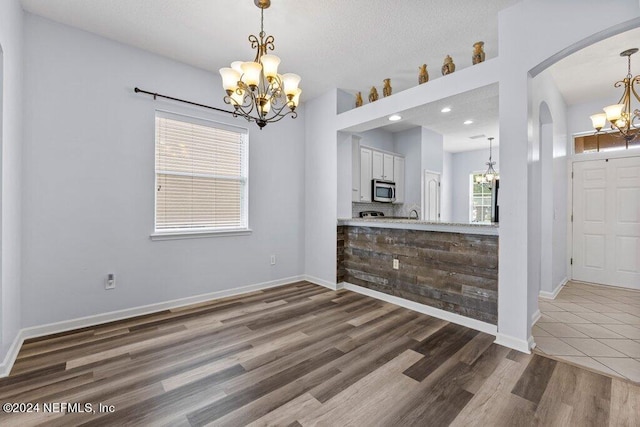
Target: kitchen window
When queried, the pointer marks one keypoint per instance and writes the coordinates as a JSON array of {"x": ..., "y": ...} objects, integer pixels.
[
  {"x": 201, "y": 177},
  {"x": 480, "y": 202}
]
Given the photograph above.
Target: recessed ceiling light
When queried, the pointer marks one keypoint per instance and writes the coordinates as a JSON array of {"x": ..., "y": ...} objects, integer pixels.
[
  {"x": 395, "y": 117},
  {"x": 468, "y": 122},
  {"x": 445, "y": 110}
]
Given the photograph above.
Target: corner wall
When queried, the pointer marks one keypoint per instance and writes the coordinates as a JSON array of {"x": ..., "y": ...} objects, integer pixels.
[
  {"x": 321, "y": 189},
  {"x": 11, "y": 43},
  {"x": 89, "y": 183}
]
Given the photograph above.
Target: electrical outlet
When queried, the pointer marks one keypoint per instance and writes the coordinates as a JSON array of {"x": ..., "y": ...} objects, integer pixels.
[
  {"x": 273, "y": 260},
  {"x": 111, "y": 281},
  {"x": 396, "y": 264}
]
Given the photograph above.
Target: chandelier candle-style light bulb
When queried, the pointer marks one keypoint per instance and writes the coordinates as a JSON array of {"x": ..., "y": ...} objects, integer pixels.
[
  {"x": 598, "y": 121},
  {"x": 291, "y": 82},
  {"x": 296, "y": 98},
  {"x": 230, "y": 78},
  {"x": 254, "y": 88},
  {"x": 613, "y": 112},
  {"x": 622, "y": 116},
  {"x": 251, "y": 72},
  {"x": 237, "y": 97},
  {"x": 270, "y": 65}
]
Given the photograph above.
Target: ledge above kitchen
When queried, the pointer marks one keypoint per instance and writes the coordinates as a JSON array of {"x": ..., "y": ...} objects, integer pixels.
[{"x": 486, "y": 229}]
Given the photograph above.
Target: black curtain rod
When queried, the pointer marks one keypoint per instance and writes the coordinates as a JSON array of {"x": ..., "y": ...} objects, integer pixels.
[{"x": 157, "y": 95}]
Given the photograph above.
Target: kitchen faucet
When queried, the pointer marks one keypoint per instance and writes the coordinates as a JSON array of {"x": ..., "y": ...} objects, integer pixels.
[{"x": 412, "y": 211}]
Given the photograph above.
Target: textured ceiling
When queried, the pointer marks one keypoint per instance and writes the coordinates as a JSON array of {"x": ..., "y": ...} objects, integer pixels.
[
  {"x": 590, "y": 73},
  {"x": 350, "y": 44}
]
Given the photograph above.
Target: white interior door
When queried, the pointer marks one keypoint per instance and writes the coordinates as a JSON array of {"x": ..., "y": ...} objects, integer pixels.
[
  {"x": 606, "y": 222},
  {"x": 431, "y": 196}
]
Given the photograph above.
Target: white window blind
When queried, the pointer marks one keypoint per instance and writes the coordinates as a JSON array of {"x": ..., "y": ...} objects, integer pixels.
[{"x": 201, "y": 175}]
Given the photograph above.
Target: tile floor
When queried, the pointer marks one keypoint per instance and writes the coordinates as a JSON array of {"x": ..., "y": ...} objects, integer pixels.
[{"x": 594, "y": 326}]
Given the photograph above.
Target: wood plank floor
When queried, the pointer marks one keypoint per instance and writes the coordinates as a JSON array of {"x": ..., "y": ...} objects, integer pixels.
[{"x": 303, "y": 355}]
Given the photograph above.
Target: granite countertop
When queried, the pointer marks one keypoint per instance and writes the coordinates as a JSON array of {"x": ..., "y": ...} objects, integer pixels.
[{"x": 414, "y": 224}]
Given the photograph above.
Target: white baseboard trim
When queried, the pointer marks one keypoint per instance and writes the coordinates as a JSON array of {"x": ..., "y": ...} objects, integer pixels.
[
  {"x": 535, "y": 317},
  {"x": 556, "y": 291},
  {"x": 82, "y": 322},
  {"x": 317, "y": 281},
  {"x": 532, "y": 343},
  {"x": 425, "y": 309},
  {"x": 514, "y": 343},
  {"x": 12, "y": 354}
]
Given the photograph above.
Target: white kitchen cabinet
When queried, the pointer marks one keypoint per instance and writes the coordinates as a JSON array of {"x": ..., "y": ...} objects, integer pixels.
[
  {"x": 355, "y": 170},
  {"x": 366, "y": 174},
  {"x": 398, "y": 178},
  {"x": 387, "y": 170},
  {"x": 377, "y": 169},
  {"x": 382, "y": 166}
]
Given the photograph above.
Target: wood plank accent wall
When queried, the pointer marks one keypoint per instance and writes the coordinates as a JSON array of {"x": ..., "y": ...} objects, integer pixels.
[
  {"x": 340, "y": 255},
  {"x": 450, "y": 271}
]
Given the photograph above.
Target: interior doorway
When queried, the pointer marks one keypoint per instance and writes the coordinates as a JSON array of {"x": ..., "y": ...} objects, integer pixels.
[
  {"x": 431, "y": 196},
  {"x": 606, "y": 222}
]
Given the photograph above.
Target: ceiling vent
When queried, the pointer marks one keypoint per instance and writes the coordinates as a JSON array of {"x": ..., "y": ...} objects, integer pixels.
[{"x": 478, "y": 136}]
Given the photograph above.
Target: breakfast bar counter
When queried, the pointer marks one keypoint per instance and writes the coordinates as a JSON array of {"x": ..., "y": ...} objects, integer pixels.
[
  {"x": 413, "y": 224},
  {"x": 452, "y": 267}
]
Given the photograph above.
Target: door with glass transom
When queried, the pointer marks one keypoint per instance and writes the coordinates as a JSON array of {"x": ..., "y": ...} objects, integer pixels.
[{"x": 606, "y": 222}]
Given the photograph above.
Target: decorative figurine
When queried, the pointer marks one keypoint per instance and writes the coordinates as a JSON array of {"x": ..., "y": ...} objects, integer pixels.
[
  {"x": 423, "y": 75},
  {"x": 373, "y": 94},
  {"x": 386, "y": 90},
  {"x": 448, "y": 67},
  {"x": 478, "y": 53},
  {"x": 358, "y": 99}
]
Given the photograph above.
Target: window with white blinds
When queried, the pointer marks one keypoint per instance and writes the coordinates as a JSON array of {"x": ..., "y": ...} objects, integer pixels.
[{"x": 201, "y": 175}]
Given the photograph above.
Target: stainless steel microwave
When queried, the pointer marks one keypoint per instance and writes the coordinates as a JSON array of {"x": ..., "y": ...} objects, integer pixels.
[{"x": 383, "y": 191}]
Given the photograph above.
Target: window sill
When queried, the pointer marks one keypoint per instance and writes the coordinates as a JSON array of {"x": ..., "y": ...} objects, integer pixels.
[{"x": 178, "y": 235}]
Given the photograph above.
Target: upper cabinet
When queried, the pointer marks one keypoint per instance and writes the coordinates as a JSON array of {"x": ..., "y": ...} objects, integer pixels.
[
  {"x": 365, "y": 175},
  {"x": 382, "y": 166},
  {"x": 369, "y": 164}
]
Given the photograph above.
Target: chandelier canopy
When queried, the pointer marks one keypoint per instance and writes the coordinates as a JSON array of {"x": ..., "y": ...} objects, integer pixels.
[
  {"x": 255, "y": 89},
  {"x": 620, "y": 116}
]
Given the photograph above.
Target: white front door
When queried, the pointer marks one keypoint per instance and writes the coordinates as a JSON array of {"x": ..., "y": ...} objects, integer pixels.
[
  {"x": 606, "y": 222},
  {"x": 431, "y": 196}
]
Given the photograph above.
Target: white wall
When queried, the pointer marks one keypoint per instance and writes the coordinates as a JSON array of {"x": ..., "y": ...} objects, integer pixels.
[
  {"x": 549, "y": 188},
  {"x": 377, "y": 138},
  {"x": 89, "y": 183},
  {"x": 464, "y": 164},
  {"x": 320, "y": 184},
  {"x": 11, "y": 140},
  {"x": 432, "y": 150},
  {"x": 409, "y": 144},
  {"x": 345, "y": 174}
]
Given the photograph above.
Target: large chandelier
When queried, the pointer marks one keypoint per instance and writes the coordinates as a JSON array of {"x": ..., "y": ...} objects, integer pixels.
[
  {"x": 255, "y": 89},
  {"x": 490, "y": 175},
  {"x": 620, "y": 116}
]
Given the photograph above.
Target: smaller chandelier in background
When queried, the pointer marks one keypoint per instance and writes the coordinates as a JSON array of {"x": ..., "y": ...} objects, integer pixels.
[
  {"x": 620, "y": 116},
  {"x": 490, "y": 175},
  {"x": 255, "y": 89}
]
